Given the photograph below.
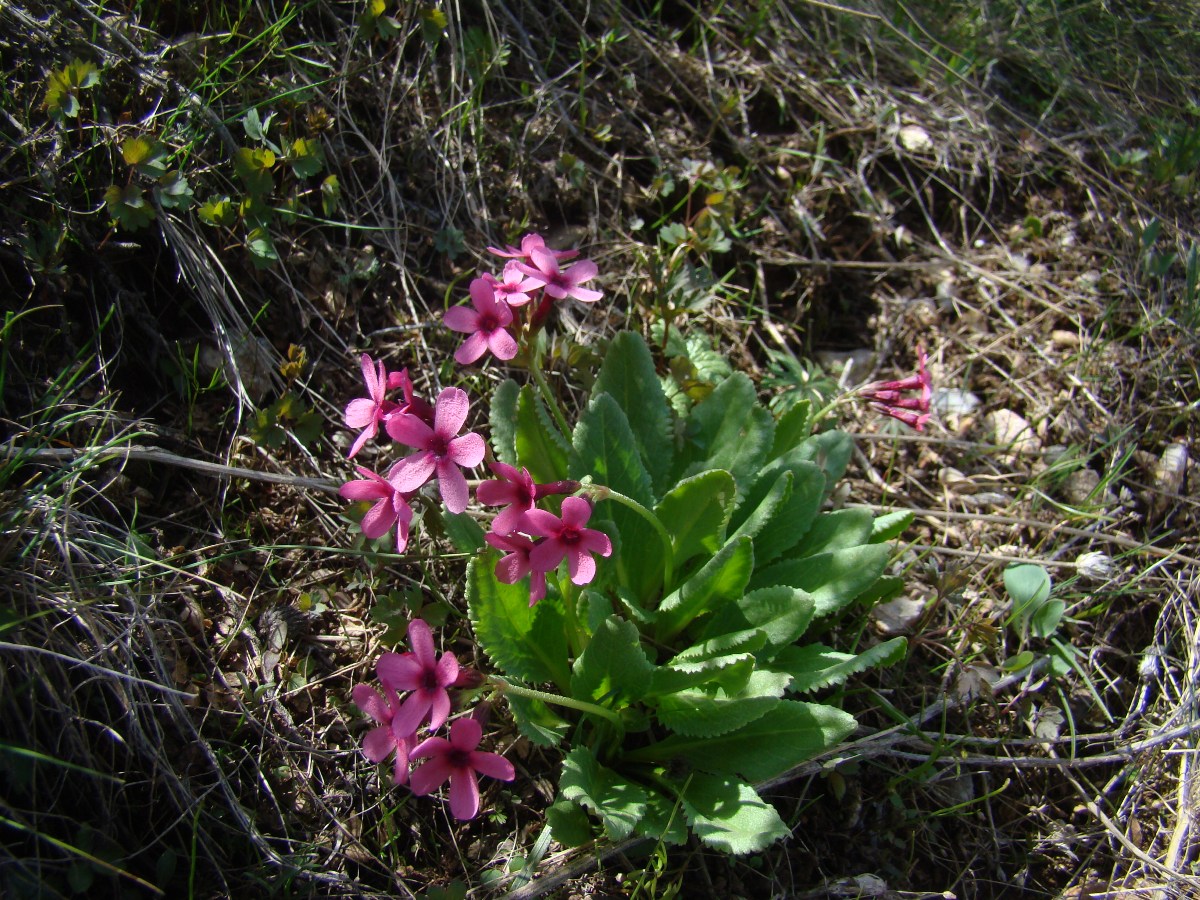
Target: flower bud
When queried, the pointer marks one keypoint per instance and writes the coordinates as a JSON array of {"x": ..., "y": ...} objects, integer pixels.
[{"x": 1094, "y": 566}]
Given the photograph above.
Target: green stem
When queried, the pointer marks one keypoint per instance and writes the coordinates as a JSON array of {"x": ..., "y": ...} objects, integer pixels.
[
  {"x": 603, "y": 492},
  {"x": 535, "y": 369},
  {"x": 507, "y": 687}
]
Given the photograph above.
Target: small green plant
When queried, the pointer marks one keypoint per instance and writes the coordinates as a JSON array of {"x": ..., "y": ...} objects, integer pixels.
[
  {"x": 63, "y": 87},
  {"x": 652, "y": 595}
]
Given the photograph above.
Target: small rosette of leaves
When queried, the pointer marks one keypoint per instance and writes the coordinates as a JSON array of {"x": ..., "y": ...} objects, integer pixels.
[{"x": 697, "y": 639}]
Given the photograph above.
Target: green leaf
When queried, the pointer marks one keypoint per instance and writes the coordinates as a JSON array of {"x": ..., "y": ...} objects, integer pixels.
[
  {"x": 254, "y": 168},
  {"x": 306, "y": 157},
  {"x": 613, "y": 669},
  {"x": 792, "y": 428},
  {"x": 129, "y": 207},
  {"x": 331, "y": 195},
  {"x": 727, "y": 430},
  {"x": 891, "y": 525},
  {"x": 523, "y": 641},
  {"x": 730, "y": 673},
  {"x": 218, "y": 211},
  {"x": 502, "y": 417},
  {"x": 537, "y": 720},
  {"x": 781, "y": 507},
  {"x": 718, "y": 581},
  {"x": 464, "y": 532},
  {"x": 1045, "y": 621},
  {"x": 834, "y": 579},
  {"x": 728, "y": 815},
  {"x": 63, "y": 87},
  {"x": 173, "y": 191},
  {"x": 603, "y": 448},
  {"x": 791, "y": 733},
  {"x": 696, "y": 513},
  {"x": 618, "y": 802},
  {"x": 146, "y": 155},
  {"x": 744, "y": 640},
  {"x": 816, "y": 666},
  {"x": 569, "y": 823},
  {"x": 831, "y": 451},
  {"x": 261, "y": 248},
  {"x": 1028, "y": 585},
  {"x": 837, "y": 530},
  {"x": 707, "y": 713},
  {"x": 629, "y": 377},
  {"x": 540, "y": 448},
  {"x": 780, "y": 613},
  {"x": 665, "y": 820}
]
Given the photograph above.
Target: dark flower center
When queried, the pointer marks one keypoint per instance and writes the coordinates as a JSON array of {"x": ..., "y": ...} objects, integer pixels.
[
  {"x": 569, "y": 535},
  {"x": 439, "y": 446},
  {"x": 488, "y": 321},
  {"x": 459, "y": 758},
  {"x": 429, "y": 679}
]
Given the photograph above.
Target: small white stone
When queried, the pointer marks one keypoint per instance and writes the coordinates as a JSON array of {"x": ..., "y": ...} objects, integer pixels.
[
  {"x": 915, "y": 139},
  {"x": 1011, "y": 431}
]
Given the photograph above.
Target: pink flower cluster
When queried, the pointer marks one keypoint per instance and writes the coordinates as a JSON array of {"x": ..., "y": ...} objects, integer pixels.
[
  {"x": 433, "y": 431},
  {"x": 428, "y": 679},
  {"x": 532, "y": 268},
  {"x": 534, "y": 540},
  {"x": 893, "y": 398}
]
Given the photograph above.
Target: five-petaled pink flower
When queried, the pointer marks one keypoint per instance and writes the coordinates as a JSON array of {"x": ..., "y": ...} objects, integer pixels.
[
  {"x": 487, "y": 325},
  {"x": 561, "y": 283},
  {"x": 458, "y": 760},
  {"x": 567, "y": 537},
  {"x": 514, "y": 490},
  {"x": 382, "y": 740},
  {"x": 368, "y": 412},
  {"x": 442, "y": 450},
  {"x": 889, "y": 397},
  {"x": 515, "y": 564},
  {"x": 423, "y": 673},
  {"x": 529, "y": 243},
  {"x": 513, "y": 285},
  {"x": 391, "y": 506}
]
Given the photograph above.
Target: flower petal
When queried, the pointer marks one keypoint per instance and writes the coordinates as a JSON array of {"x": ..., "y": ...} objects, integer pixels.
[
  {"x": 453, "y": 486},
  {"x": 378, "y": 520},
  {"x": 412, "y": 472},
  {"x": 493, "y": 765},
  {"x": 576, "y": 511},
  {"x": 467, "y": 451},
  {"x": 360, "y": 412},
  {"x": 430, "y": 776},
  {"x": 502, "y": 344},
  {"x": 368, "y": 700},
  {"x": 378, "y": 743},
  {"x": 410, "y": 431},
  {"x": 461, "y": 318},
  {"x": 399, "y": 671},
  {"x": 581, "y": 566},
  {"x": 450, "y": 412},
  {"x": 466, "y": 733},
  {"x": 464, "y": 795},
  {"x": 420, "y": 641},
  {"x": 471, "y": 349}
]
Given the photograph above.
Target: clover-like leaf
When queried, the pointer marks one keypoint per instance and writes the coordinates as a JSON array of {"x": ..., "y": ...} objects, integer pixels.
[
  {"x": 129, "y": 207},
  {"x": 261, "y": 248},
  {"x": 146, "y": 155},
  {"x": 331, "y": 195},
  {"x": 254, "y": 168},
  {"x": 63, "y": 87},
  {"x": 218, "y": 211},
  {"x": 173, "y": 191},
  {"x": 305, "y": 157}
]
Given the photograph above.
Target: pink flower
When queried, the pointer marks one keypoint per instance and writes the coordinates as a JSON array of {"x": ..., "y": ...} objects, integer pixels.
[
  {"x": 513, "y": 286},
  {"x": 561, "y": 283},
  {"x": 381, "y": 741},
  {"x": 529, "y": 243},
  {"x": 567, "y": 537},
  {"x": 442, "y": 451},
  {"x": 412, "y": 405},
  {"x": 487, "y": 325},
  {"x": 423, "y": 673},
  {"x": 888, "y": 397},
  {"x": 391, "y": 506},
  {"x": 458, "y": 760},
  {"x": 516, "y": 564},
  {"x": 514, "y": 490},
  {"x": 367, "y": 412}
]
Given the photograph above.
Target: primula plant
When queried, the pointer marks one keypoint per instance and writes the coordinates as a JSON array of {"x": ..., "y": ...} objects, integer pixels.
[{"x": 654, "y": 586}]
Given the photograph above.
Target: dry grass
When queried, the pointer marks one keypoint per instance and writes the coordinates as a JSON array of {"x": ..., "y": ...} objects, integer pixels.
[{"x": 179, "y": 643}]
